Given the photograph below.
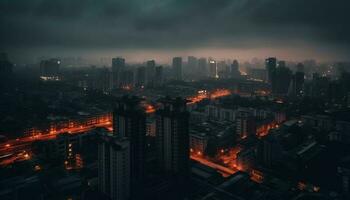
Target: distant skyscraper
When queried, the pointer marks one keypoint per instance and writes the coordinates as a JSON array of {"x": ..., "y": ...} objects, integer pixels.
[
  {"x": 281, "y": 80},
  {"x": 299, "y": 81},
  {"x": 159, "y": 77},
  {"x": 300, "y": 67},
  {"x": 114, "y": 167},
  {"x": 150, "y": 73},
  {"x": 118, "y": 66},
  {"x": 257, "y": 73},
  {"x": 299, "y": 77},
  {"x": 202, "y": 68},
  {"x": 102, "y": 80},
  {"x": 234, "y": 69},
  {"x": 49, "y": 69},
  {"x": 128, "y": 79},
  {"x": 270, "y": 64},
  {"x": 141, "y": 76},
  {"x": 177, "y": 68},
  {"x": 296, "y": 84},
  {"x": 192, "y": 67},
  {"x": 222, "y": 70},
  {"x": 213, "y": 70},
  {"x": 129, "y": 120},
  {"x": 282, "y": 63},
  {"x": 172, "y": 133}
]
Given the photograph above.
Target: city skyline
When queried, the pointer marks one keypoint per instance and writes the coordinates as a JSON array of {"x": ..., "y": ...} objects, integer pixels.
[
  {"x": 174, "y": 99},
  {"x": 137, "y": 30}
]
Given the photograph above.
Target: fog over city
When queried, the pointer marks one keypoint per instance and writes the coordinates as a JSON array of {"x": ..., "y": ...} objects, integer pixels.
[
  {"x": 174, "y": 99},
  {"x": 138, "y": 30}
]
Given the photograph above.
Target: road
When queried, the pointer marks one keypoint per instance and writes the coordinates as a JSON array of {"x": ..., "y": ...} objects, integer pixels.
[
  {"x": 19, "y": 149},
  {"x": 225, "y": 171},
  {"x": 13, "y": 150}
]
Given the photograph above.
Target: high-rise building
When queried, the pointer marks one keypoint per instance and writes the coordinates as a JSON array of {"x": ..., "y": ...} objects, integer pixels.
[
  {"x": 281, "y": 80},
  {"x": 127, "y": 80},
  {"x": 118, "y": 66},
  {"x": 191, "y": 70},
  {"x": 213, "y": 70},
  {"x": 129, "y": 120},
  {"x": 299, "y": 81},
  {"x": 102, "y": 80},
  {"x": 320, "y": 86},
  {"x": 282, "y": 63},
  {"x": 172, "y": 133},
  {"x": 223, "y": 70},
  {"x": 159, "y": 78},
  {"x": 141, "y": 76},
  {"x": 150, "y": 73},
  {"x": 300, "y": 67},
  {"x": 257, "y": 73},
  {"x": 270, "y": 64},
  {"x": 245, "y": 125},
  {"x": 49, "y": 69},
  {"x": 234, "y": 69},
  {"x": 202, "y": 68},
  {"x": 269, "y": 150},
  {"x": 299, "y": 78},
  {"x": 177, "y": 68},
  {"x": 114, "y": 167}
]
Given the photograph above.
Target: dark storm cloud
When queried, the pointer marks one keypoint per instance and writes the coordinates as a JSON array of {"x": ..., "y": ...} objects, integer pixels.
[{"x": 172, "y": 23}]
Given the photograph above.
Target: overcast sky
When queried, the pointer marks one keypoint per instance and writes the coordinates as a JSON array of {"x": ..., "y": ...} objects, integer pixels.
[{"x": 160, "y": 29}]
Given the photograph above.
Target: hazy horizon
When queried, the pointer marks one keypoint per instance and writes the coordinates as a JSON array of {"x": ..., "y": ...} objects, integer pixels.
[{"x": 161, "y": 29}]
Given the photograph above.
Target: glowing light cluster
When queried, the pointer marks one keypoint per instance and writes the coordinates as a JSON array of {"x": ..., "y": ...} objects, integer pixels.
[
  {"x": 73, "y": 127},
  {"x": 220, "y": 93},
  {"x": 203, "y": 94}
]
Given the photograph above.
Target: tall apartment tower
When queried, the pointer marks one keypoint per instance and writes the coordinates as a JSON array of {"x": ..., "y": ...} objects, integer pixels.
[
  {"x": 213, "y": 69},
  {"x": 159, "y": 77},
  {"x": 114, "y": 167},
  {"x": 172, "y": 133},
  {"x": 245, "y": 125},
  {"x": 177, "y": 68},
  {"x": 129, "y": 120},
  {"x": 270, "y": 64},
  {"x": 150, "y": 73},
  {"x": 141, "y": 77},
  {"x": 118, "y": 66},
  {"x": 202, "y": 68},
  {"x": 192, "y": 67},
  {"x": 234, "y": 69}
]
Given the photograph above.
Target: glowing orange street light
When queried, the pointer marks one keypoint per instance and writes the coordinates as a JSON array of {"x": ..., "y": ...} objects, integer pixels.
[{"x": 37, "y": 167}]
